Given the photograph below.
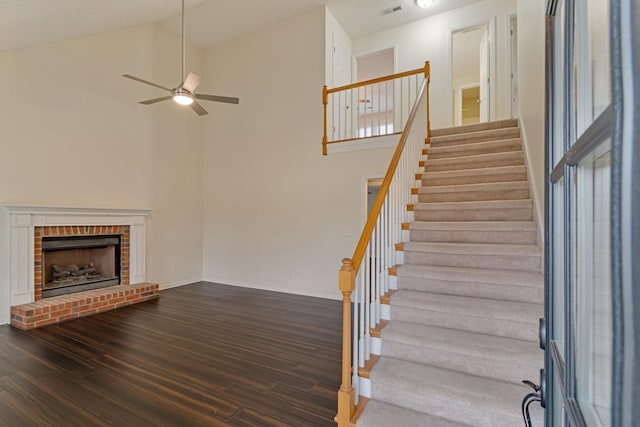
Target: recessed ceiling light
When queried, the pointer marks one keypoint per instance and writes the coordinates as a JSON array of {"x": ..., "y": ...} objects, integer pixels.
[{"x": 424, "y": 3}]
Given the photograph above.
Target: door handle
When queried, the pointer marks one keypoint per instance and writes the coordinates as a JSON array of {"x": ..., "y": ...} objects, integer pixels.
[
  {"x": 536, "y": 396},
  {"x": 542, "y": 333}
]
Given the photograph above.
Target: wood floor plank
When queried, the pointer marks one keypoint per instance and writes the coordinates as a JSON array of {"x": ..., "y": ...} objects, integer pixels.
[{"x": 200, "y": 355}]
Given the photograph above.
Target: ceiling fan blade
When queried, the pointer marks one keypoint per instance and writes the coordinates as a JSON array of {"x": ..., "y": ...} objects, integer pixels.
[
  {"x": 227, "y": 99},
  {"x": 154, "y": 100},
  {"x": 129, "y": 76},
  {"x": 198, "y": 109},
  {"x": 192, "y": 82}
]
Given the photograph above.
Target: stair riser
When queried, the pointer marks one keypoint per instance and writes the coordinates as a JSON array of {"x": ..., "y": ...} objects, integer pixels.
[
  {"x": 451, "y": 409},
  {"x": 516, "y": 293},
  {"x": 453, "y": 236},
  {"x": 473, "y": 196},
  {"x": 524, "y": 214},
  {"x": 472, "y": 150},
  {"x": 502, "y": 370},
  {"x": 510, "y": 262},
  {"x": 430, "y": 181},
  {"x": 464, "y": 163},
  {"x": 484, "y": 325},
  {"x": 494, "y": 135}
]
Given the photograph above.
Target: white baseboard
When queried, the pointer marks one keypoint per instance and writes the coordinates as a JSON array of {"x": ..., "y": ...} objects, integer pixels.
[
  {"x": 165, "y": 286},
  {"x": 376, "y": 346},
  {"x": 385, "y": 312},
  {"x": 338, "y": 295},
  {"x": 365, "y": 387}
]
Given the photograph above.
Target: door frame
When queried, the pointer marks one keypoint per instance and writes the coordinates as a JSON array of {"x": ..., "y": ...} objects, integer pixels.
[
  {"x": 459, "y": 91},
  {"x": 511, "y": 64},
  {"x": 491, "y": 28}
]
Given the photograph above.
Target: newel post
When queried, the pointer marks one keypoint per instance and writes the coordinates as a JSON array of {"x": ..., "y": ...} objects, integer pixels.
[
  {"x": 346, "y": 406},
  {"x": 325, "y": 102},
  {"x": 427, "y": 76}
]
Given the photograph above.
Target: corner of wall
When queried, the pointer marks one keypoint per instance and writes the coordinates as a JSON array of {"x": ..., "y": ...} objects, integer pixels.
[
  {"x": 537, "y": 193},
  {"x": 5, "y": 293}
]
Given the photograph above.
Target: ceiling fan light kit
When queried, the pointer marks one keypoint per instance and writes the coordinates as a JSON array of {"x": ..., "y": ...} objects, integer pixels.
[
  {"x": 182, "y": 97},
  {"x": 184, "y": 93}
]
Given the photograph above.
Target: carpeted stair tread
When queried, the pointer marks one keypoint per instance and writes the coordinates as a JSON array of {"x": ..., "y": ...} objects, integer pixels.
[
  {"x": 496, "y": 174},
  {"x": 478, "y": 210},
  {"x": 499, "y": 124},
  {"x": 489, "y": 356},
  {"x": 483, "y": 147},
  {"x": 475, "y": 161},
  {"x": 475, "y": 192},
  {"x": 473, "y": 248},
  {"x": 483, "y": 186},
  {"x": 479, "y": 275},
  {"x": 507, "y": 285},
  {"x": 474, "y": 255},
  {"x": 474, "y": 225},
  {"x": 469, "y": 306},
  {"x": 382, "y": 414},
  {"x": 475, "y": 205},
  {"x": 474, "y": 137},
  {"x": 448, "y": 394}
]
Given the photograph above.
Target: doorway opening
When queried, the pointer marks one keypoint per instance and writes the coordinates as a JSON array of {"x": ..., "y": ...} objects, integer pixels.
[
  {"x": 372, "y": 189},
  {"x": 470, "y": 104},
  {"x": 471, "y": 53}
]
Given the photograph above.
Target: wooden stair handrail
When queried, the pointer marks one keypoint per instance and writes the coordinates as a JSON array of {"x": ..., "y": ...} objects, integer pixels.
[
  {"x": 326, "y": 91},
  {"x": 361, "y": 248},
  {"x": 377, "y": 80},
  {"x": 350, "y": 267}
]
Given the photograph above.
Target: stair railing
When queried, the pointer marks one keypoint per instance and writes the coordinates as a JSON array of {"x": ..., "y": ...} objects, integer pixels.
[
  {"x": 364, "y": 279},
  {"x": 370, "y": 108}
]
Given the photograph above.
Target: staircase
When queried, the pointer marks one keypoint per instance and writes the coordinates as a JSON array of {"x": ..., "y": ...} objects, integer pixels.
[{"x": 464, "y": 320}]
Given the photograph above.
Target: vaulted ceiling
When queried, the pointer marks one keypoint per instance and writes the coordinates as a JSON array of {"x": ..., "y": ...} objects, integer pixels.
[{"x": 26, "y": 23}]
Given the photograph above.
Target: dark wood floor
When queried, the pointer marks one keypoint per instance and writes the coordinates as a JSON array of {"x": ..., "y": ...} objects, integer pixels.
[{"x": 201, "y": 355}]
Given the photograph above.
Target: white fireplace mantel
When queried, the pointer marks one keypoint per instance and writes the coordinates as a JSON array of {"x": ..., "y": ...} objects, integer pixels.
[{"x": 17, "y": 223}]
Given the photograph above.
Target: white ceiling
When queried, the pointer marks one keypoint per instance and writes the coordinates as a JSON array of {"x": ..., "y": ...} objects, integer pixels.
[
  {"x": 26, "y": 23},
  {"x": 362, "y": 17}
]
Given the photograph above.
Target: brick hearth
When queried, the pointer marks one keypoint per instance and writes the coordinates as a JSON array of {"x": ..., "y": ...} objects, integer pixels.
[{"x": 71, "y": 306}]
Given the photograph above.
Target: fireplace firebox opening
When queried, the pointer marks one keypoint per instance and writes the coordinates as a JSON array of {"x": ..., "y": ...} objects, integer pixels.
[{"x": 79, "y": 263}]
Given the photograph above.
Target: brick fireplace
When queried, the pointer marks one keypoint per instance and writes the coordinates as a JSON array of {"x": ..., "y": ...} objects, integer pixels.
[
  {"x": 23, "y": 272},
  {"x": 42, "y": 233}
]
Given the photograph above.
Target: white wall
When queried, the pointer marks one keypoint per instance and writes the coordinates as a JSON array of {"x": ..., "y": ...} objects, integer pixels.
[
  {"x": 375, "y": 65},
  {"x": 531, "y": 84},
  {"x": 276, "y": 211},
  {"x": 430, "y": 39},
  {"x": 74, "y": 135}
]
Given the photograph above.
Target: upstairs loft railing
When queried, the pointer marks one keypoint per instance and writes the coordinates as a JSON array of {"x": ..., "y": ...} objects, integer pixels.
[
  {"x": 365, "y": 278},
  {"x": 370, "y": 108}
]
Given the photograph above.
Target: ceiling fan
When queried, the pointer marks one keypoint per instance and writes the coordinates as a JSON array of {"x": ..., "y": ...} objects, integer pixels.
[{"x": 184, "y": 93}]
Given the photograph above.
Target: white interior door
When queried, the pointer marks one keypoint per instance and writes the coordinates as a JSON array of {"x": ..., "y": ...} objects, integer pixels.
[
  {"x": 340, "y": 107},
  {"x": 514, "y": 64}
]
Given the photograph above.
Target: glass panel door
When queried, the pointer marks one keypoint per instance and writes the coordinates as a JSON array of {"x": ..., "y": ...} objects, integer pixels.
[
  {"x": 592, "y": 329},
  {"x": 593, "y": 297}
]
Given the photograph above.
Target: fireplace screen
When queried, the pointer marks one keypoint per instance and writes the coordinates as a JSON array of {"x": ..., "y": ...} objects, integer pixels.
[{"x": 79, "y": 263}]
